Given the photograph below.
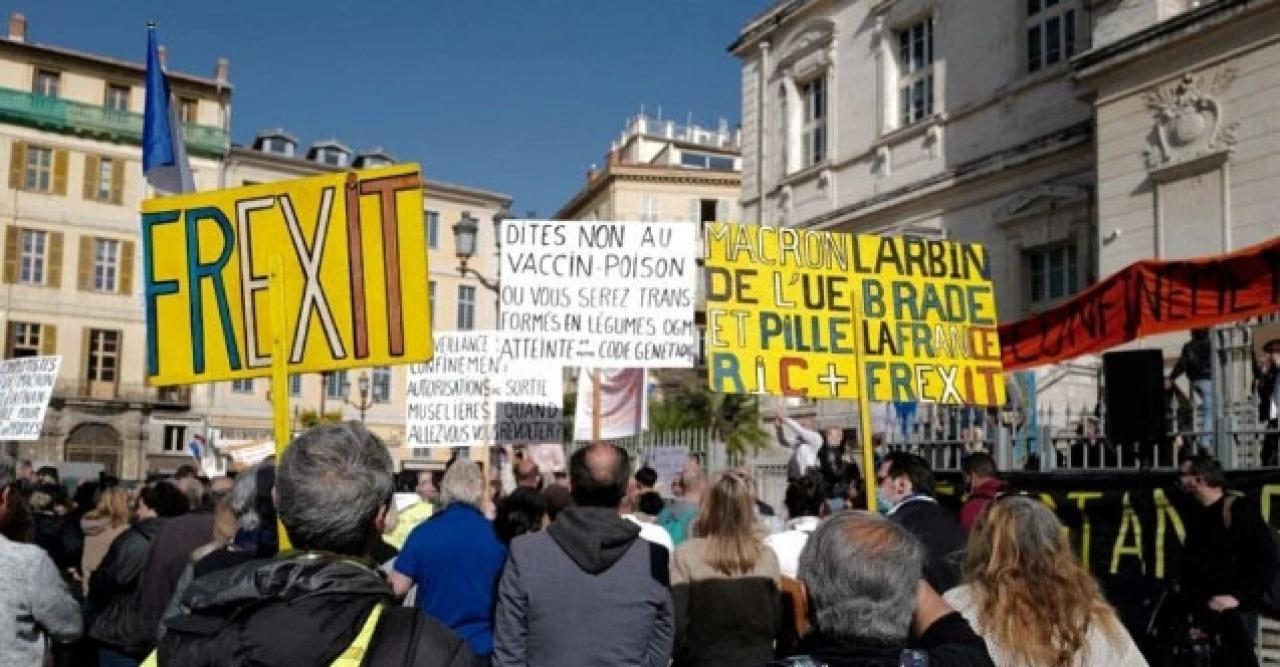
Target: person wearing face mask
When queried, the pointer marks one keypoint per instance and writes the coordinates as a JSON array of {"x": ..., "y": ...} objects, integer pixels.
[
  {"x": 904, "y": 494},
  {"x": 1268, "y": 391}
]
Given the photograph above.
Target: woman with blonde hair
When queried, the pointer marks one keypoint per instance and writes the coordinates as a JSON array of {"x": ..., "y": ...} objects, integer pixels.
[
  {"x": 1029, "y": 597},
  {"x": 724, "y": 583},
  {"x": 101, "y": 526}
]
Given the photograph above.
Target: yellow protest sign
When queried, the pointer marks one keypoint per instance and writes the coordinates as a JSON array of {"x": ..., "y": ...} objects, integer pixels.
[
  {"x": 351, "y": 252},
  {"x": 928, "y": 322},
  {"x": 815, "y": 314},
  {"x": 780, "y": 311}
]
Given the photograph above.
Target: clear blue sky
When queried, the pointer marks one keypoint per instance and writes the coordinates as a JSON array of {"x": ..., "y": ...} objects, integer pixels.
[{"x": 518, "y": 96}]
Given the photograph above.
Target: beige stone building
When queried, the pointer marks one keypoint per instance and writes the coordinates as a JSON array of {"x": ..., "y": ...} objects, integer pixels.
[
  {"x": 943, "y": 119},
  {"x": 238, "y": 414},
  {"x": 70, "y": 131},
  {"x": 659, "y": 170}
]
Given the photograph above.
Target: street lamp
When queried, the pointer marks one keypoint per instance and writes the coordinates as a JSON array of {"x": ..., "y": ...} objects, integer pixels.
[
  {"x": 466, "y": 231},
  {"x": 364, "y": 404}
]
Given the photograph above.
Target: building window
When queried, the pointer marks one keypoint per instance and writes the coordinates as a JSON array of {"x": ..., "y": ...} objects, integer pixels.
[
  {"x": 1051, "y": 32},
  {"x": 295, "y": 385},
  {"x": 1054, "y": 272},
  {"x": 117, "y": 97},
  {"x": 104, "y": 355},
  {"x": 106, "y": 265},
  {"x": 380, "y": 388},
  {"x": 32, "y": 262},
  {"x": 466, "y": 307},
  {"x": 47, "y": 83},
  {"x": 705, "y": 161},
  {"x": 105, "y": 182},
  {"x": 650, "y": 211},
  {"x": 242, "y": 386},
  {"x": 188, "y": 107},
  {"x": 24, "y": 340},
  {"x": 38, "y": 173},
  {"x": 335, "y": 384},
  {"x": 813, "y": 134},
  {"x": 433, "y": 229},
  {"x": 915, "y": 73},
  {"x": 175, "y": 438},
  {"x": 278, "y": 146},
  {"x": 431, "y": 300},
  {"x": 334, "y": 157}
]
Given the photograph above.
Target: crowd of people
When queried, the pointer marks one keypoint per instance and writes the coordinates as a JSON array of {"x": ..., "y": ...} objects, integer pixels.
[{"x": 594, "y": 567}]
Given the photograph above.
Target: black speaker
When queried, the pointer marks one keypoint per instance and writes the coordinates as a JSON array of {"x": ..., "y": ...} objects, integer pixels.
[{"x": 1134, "y": 389}]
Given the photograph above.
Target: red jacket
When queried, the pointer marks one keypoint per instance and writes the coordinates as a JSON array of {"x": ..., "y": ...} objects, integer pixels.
[{"x": 978, "y": 501}]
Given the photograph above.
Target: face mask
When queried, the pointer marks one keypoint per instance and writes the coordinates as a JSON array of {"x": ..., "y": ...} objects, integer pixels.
[{"x": 883, "y": 503}]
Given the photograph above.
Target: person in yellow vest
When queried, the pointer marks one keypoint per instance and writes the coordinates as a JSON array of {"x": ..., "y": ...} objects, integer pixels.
[
  {"x": 324, "y": 603},
  {"x": 414, "y": 503}
]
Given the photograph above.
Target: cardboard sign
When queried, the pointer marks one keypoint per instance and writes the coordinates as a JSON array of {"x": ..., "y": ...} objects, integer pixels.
[
  {"x": 25, "y": 387},
  {"x": 668, "y": 462},
  {"x": 928, "y": 325},
  {"x": 469, "y": 394},
  {"x": 789, "y": 310},
  {"x": 601, "y": 294},
  {"x": 780, "y": 312},
  {"x": 352, "y": 250}
]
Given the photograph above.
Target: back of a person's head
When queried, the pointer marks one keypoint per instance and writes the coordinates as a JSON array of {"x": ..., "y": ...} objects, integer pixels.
[
  {"x": 462, "y": 483},
  {"x": 1033, "y": 595},
  {"x": 650, "y": 503},
  {"x": 727, "y": 519},
  {"x": 914, "y": 468},
  {"x": 250, "y": 498},
  {"x": 1207, "y": 468},
  {"x": 806, "y": 495},
  {"x": 166, "y": 499},
  {"x": 519, "y": 513},
  {"x": 112, "y": 506},
  {"x": 407, "y": 481},
  {"x": 646, "y": 477},
  {"x": 862, "y": 573},
  {"x": 185, "y": 471},
  {"x": 598, "y": 476},
  {"x": 331, "y": 483},
  {"x": 980, "y": 464},
  {"x": 558, "y": 499},
  {"x": 192, "y": 489}
]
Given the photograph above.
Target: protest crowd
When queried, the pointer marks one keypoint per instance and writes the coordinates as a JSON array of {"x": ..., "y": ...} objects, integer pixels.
[{"x": 599, "y": 568}]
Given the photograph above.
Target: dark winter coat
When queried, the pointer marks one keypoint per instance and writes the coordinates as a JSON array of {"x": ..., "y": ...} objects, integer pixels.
[
  {"x": 943, "y": 538},
  {"x": 112, "y": 609}
]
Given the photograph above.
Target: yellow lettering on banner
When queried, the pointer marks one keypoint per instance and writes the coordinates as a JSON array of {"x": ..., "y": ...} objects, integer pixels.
[
  {"x": 353, "y": 252},
  {"x": 1082, "y": 498},
  {"x": 780, "y": 317},
  {"x": 787, "y": 310},
  {"x": 1165, "y": 511},
  {"x": 1128, "y": 517}
]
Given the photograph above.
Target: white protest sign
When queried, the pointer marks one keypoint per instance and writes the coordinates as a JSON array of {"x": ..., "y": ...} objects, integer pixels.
[
  {"x": 668, "y": 462},
  {"x": 600, "y": 294},
  {"x": 26, "y": 385},
  {"x": 468, "y": 394}
]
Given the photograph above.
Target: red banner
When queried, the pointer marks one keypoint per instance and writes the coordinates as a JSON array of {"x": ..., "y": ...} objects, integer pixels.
[{"x": 1147, "y": 298}]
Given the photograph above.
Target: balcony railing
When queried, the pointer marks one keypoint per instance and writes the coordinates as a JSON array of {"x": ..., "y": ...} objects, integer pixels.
[
  {"x": 172, "y": 397},
  {"x": 59, "y": 115}
]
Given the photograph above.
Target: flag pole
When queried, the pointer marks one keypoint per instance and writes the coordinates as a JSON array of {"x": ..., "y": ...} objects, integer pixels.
[
  {"x": 864, "y": 402},
  {"x": 279, "y": 373}
]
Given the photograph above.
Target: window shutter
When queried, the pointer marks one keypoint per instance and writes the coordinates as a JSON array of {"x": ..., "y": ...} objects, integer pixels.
[
  {"x": 91, "y": 177},
  {"x": 117, "y": 181},
  {"x": 126, "y": 267},
  {"x": 84, "y": 358},
  {"x": 11, "y": 235},
  {"x": 60, "y": 172},
  {"x": 48, "y": 339},
  {"x": 84, "y": 264},
  {"x": 17, "y": 165},
  {"x": 53, "y": 272}
]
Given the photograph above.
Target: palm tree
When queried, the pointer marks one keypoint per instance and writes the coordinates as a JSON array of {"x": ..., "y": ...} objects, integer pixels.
[{"x": 732, "y": 418}]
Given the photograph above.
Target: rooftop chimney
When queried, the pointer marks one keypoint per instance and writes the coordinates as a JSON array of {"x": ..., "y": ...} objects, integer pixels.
[
  {"x": 163, "y": 54},
  {"x": 222, "y": 70},
  {"x": 17, "y": 27}
]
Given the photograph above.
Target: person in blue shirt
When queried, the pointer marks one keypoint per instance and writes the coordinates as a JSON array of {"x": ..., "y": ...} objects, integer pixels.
[{"x": 455, "y": 559}]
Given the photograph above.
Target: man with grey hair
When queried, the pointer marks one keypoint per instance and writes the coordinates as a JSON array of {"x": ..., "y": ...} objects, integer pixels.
[
  {"x": 860, "y": 574},
  {"x": 324, "y": 602},
  {"x": 455, "y": 559},
  {"x": 35, "y": 605}
]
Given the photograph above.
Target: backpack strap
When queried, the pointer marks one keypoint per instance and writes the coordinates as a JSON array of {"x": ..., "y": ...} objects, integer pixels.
[
  {"x": 395, "y": 643},
  {"x": 354, "y": 654}
]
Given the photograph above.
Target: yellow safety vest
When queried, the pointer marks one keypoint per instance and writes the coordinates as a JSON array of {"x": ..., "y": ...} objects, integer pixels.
[{"x": 352, "y": 657}]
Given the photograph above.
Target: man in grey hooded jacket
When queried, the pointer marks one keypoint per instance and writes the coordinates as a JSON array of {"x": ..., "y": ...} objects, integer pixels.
[{"x": 587, "y": 591}]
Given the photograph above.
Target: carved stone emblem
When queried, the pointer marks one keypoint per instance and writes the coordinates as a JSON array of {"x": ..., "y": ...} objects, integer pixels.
[{"x": 1189, "y": 119}]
